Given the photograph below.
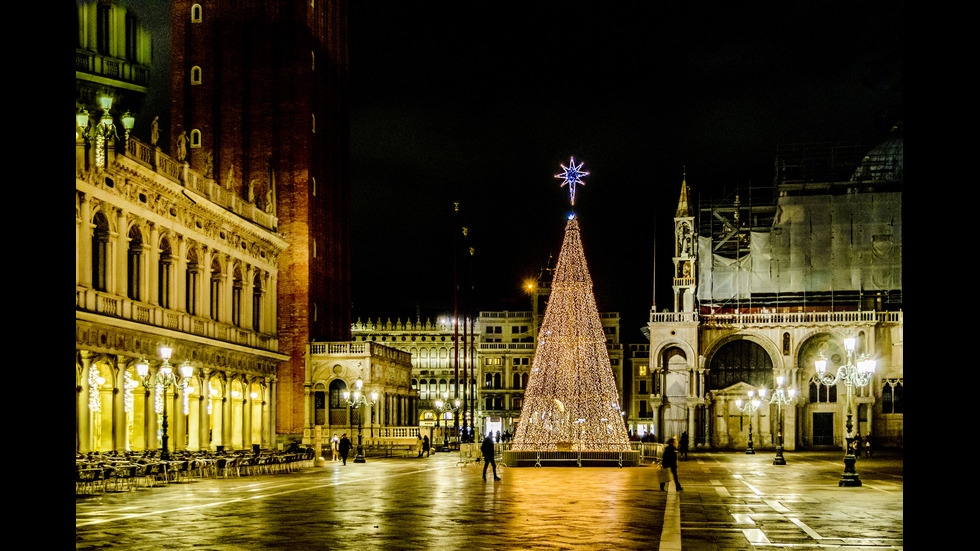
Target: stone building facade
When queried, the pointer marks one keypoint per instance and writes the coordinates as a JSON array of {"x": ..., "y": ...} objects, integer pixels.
[{"x": 764, "y": 289}]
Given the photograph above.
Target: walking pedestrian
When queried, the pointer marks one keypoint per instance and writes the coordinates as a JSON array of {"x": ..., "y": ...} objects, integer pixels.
[
  {"x": 335, "y": 446},
  {"x": 487, "y": 449},
  {"x": 425, "y": 446},
  {"x": 683, "y": 448},
  {"x": 867, "y": 446},
  {"x": 669, "y": 461},
  {"x": 857, "y": 445},
  {"x": 418, "y": 444},
  {"x": 344, "y": 447}
]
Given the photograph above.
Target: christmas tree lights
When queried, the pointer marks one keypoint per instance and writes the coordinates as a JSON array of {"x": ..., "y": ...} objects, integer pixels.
[{"x": 571, "y": 403}]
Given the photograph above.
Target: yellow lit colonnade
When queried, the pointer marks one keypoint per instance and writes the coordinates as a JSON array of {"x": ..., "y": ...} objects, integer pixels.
[
  {"x": 207, "y": 408},
  {"x": 166, "y": 258}
]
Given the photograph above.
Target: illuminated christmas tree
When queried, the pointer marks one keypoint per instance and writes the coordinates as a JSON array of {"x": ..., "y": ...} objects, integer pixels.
[{"x": 571, "y": 404}]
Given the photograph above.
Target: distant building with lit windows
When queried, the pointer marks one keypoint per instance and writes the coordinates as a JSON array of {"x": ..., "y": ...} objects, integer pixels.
[{"x": 494, "y": 356}]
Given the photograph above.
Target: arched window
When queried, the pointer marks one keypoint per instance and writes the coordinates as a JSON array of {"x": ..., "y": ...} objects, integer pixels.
[
  {"x": 164, "y": 270},
  {"x": 740, "y": 361},
  {"x": 517, "y": 380},
  {"x": 257, "y": 303},
  {"x": 100, "y": 252},
  {"x": 337, "y": 388},
  {"x": 822, "y": 393},
  {"x": 197, "y": 13},
  {"x": 195, "y": 138},
  {"x": 215, "y": 288},
  {"x": 893, "y": 397},
  {"x": 237, "y": 286},
  {"x": 191, "y": 276},
  {"x": 195, "y": 75},
  {"x": 134, "y": 263}
]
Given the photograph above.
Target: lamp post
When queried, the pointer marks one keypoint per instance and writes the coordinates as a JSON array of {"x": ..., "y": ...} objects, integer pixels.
[
  {"x": 444, "y": 406},
  {"x": 356, "y": 400},
  {"x": 164, "y": 378},
  {"x": 104, "y": 130},
  {"x": 852, "y": 374},
  {"x": 781, "y": 397},
  {"x": 750, "y": 408}
]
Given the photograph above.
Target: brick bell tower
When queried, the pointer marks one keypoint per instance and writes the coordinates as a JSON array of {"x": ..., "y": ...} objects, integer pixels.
[{"x": 259, "y": 102}]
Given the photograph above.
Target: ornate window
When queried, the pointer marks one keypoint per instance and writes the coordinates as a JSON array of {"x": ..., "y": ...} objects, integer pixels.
[
  {"x": 236, "y": 298},
  {"x": 191, "y": 279},
  {"x": 257, "y": 303},
  {"x": 215, "y": 288},
  {"x": 100, "y": 252},
  {"x": 134, "y": 263},
  {"x": 822, "y": 393},
  {"x": 164, "y": 270},
  {"x": 892, "y": 396}
]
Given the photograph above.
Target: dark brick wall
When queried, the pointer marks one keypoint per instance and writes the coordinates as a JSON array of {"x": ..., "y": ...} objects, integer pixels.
[{"x": 269, "y": 68}]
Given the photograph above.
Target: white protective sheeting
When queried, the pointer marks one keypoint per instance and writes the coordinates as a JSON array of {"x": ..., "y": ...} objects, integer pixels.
[{"x": 823, "y": 243}]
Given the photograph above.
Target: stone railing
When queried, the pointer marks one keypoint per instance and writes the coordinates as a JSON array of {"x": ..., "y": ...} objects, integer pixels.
[
  {"x": 180, "y": 173},
  {"x": 506, "y": 346},
  {"x": 791, "y": 318},
  {"x": 347, "y": 349},
  {"x": 107, "y": 304}
]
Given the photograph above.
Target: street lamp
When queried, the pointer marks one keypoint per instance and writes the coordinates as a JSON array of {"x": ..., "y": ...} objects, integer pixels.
[
  {"x": 750, "y": 408},
  {"x": 104, "y": 130},
  {"x": 444, "y": 406},
  {"x": 164, "y": 378},
  {"x": 356, "y": 400},
  {"x": 851, "y": 374},
  {"x": 781, "y": 397}
]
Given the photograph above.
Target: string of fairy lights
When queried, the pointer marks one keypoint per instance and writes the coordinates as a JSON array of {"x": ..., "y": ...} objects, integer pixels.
[{"x": 571, "y": 402}]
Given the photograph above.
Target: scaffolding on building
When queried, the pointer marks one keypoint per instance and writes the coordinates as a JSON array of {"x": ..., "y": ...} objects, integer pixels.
[{"x": 777, "y": 247}]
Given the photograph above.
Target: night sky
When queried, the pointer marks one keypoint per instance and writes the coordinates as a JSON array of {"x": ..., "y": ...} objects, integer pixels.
[{"x": 483, "y": 103}]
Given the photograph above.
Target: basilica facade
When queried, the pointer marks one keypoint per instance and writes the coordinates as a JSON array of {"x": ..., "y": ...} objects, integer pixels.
[{"x": 780, "y": 302}]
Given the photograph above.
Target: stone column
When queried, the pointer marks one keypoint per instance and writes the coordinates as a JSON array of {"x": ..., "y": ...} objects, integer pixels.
[
  {"x": 203, "y": 417},
  {"x": 266, "y": 441},
  {"x": 247, "y": 416},
  {"x": 227, "y": 416},
  {"x": 150, "y": 429},
  {"x": 120, "y": 436},
  {"x": 83, "y": 440},
  {"x": 175, "y": 409},
  {"x": 83, "y": 247}
]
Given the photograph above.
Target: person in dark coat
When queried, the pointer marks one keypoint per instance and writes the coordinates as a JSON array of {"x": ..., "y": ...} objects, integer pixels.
[
  {"x": 425, "y": 446},
  {"x": 683, "y": 448},
  {"x": 487, "y": 449},
  {"x": 669, "y": 461},
  {"x": 344, "y": 447}
]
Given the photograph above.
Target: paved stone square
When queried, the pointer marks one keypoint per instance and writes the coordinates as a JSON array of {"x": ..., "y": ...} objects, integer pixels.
[{"x": 729, "y": 501}]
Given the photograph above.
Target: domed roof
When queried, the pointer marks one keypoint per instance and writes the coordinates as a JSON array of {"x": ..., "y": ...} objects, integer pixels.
[{"x": 883, "y": 163}]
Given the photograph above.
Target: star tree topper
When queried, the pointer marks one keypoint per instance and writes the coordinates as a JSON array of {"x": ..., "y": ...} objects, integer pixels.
[{"x": 572, "y": 176}]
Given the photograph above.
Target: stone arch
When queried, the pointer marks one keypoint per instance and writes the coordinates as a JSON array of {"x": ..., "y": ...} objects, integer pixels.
[{"x": 739, "y": 360}]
